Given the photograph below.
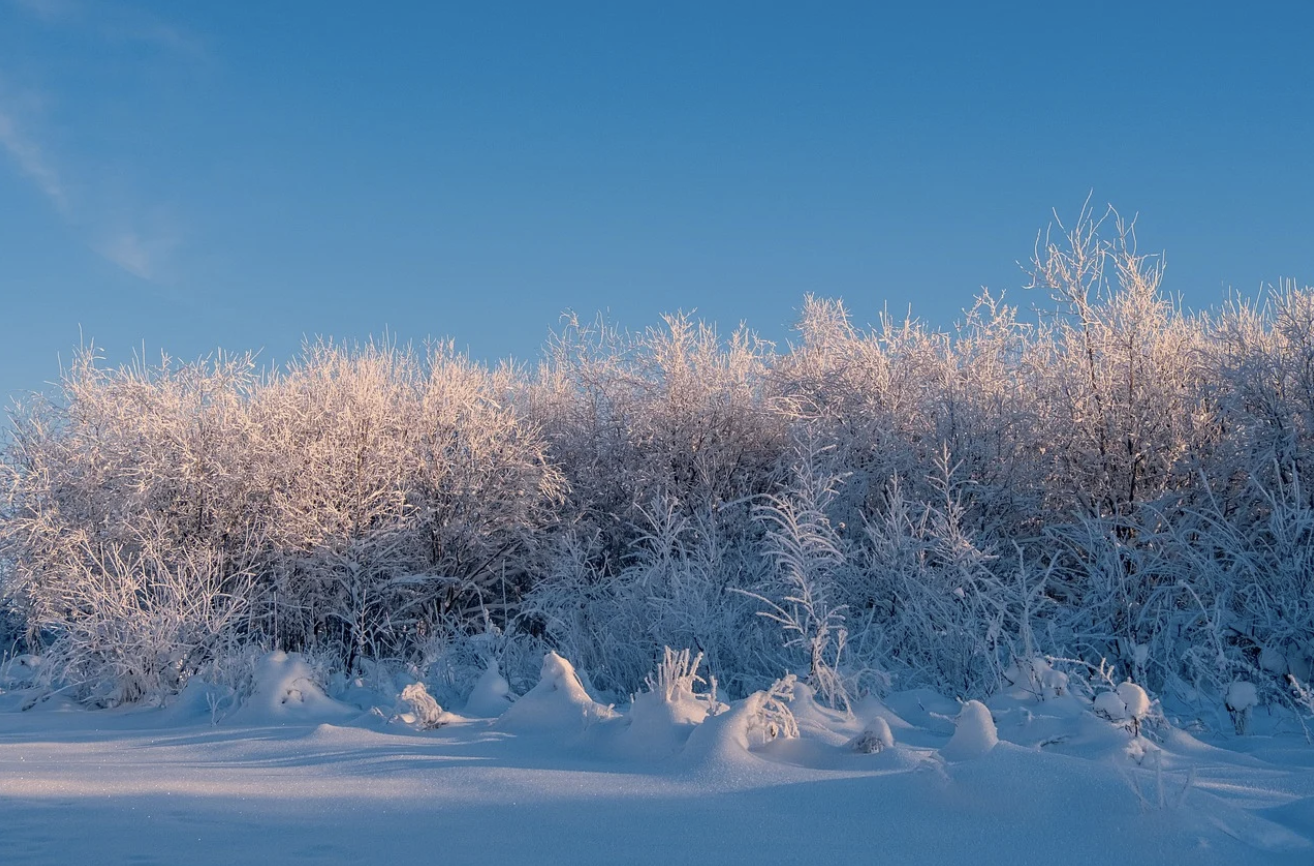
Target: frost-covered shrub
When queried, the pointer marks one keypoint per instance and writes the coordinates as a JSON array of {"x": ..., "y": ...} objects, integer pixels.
[
  {"x": 404, "y": 489},
  {"x": 355, "y": 502},
  {"x": 768, "y": 714},
  {"x": 675, "y": 682},
  {"x": 138, "y": 624},
  {"x": 480, "y": 664},
  {"x": 671, "y": 414},
  {"x": 1242, "y": 698},
  {"x": 662, "y": 716},
  {"x": 1115, "y": 481},
  {"x": 416, "y": 707},
  {"x": 676, "y": 589},
  {"x": 808, "y": 560},
  {"x": 1036, "y": 677},
  {"x": 934, "y": 591}
]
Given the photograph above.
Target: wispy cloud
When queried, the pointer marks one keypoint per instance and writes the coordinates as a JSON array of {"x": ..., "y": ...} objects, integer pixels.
[
  {"x": 32, "y": 161},
  {"x": 49, "y": 10},
  {"x": 112, "y": 221},
  {"x": 115, "y": 22},
  {"x": 144, "y": 255},
  {"x": 127, "y": 250}
]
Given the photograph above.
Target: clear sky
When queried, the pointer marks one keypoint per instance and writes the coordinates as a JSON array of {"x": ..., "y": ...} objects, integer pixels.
[{"x": 196, "y": 175}]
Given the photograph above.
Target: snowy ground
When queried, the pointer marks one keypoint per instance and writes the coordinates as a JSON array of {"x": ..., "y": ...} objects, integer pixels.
[{"x": 294, "y": 776}]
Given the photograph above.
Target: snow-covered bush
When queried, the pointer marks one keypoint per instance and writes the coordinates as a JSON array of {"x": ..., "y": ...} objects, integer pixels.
[
  {"x": 1116, "y": 480},
  {"x": 286, "y": 686},
  {"x": 137, "y": 624},
  {"x": 1127, "y": 705},
  {"x": 934, "y": 591},
  {"x": 675, "y": 680},
  {"x": 1037, "y": 677},
  {"x": 404, "y": 489},
  {"x": 768, "y": 714},
  {"x": 416, "y": 707},
  {"x": 675, "y": 589},
  {"x": 663, "y": 715},
  {"x": 671, "y": 414},
  {"x": 357, "y": 501},
  {"x": 479, "y": 664},
  {"x": 1241, "y": 702}
]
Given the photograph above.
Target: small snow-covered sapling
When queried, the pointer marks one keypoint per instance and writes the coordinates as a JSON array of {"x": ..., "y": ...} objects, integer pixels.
[{"x": 1241, "y": 700}]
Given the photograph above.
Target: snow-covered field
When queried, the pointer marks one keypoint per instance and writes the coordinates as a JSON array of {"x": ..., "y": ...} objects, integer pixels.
[{"x": 293, "y": 775}]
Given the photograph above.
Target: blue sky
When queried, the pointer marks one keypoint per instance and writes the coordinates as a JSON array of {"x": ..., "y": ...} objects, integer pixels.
[{"x": 190, "y": 176}]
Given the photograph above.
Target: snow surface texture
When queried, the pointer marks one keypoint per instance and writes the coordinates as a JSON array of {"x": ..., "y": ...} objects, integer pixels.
[{"x": 297, "y": 776}]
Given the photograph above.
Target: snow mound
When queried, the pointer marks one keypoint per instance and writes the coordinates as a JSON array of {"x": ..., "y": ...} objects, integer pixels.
[
  {"x": 284, "y": 690},
  {"x": 661, "y": 718},
  {"x": 20, "y": 671},
  {"x": 725, "y": 740},
  {"x": 1135, "y": 700},
  {"x": 721, "y": 740},
  {"x": 657, "y": 726},
  {"x": 974, "y": 733},
  {"x": 1128, "y": 705},
  {"x": 491, "y": 696},
  {"x": 1036, "y": 677},
  {"x": 875, "y": 737},
  {"x": 1111, "y": 706},
  {"x": 558, "y": 703},
  {"x": 199, "y": 701},
  {"x": 819, "y": 722}
]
